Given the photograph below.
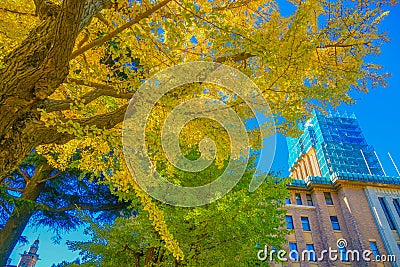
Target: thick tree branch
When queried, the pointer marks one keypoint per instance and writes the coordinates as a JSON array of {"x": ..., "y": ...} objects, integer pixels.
[
  {"x": 17, "y": 12},
  {"x": 101, "y": 89},
  {"x": 38, "y": 5},
  {"x": 39, "y": 65},
  {"x": 106, "y": 121},
  {"x": 104, "y": 21},
  {"x": 37, "y": 133},
  {"x": 236, "y": 57},
  {"x": 50, "y": 135},
  {"x": 23, "y": 175},
  {"x": 88, "y": 207},
  {"x": 50, "y": 178},
  {"x": 98, "y": 91},
  {"x": 91, "y": 9},
  {"x": 232, "y": 5},
  {"x": 120, "y": 29},
  {"x": 32, "y": 72},
  {"x": 46, "y": 9},
  {"x": 342, "y": 45}
]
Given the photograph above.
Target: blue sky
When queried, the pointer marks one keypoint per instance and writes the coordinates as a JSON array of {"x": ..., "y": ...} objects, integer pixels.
[{"x": 377, "y": 113}]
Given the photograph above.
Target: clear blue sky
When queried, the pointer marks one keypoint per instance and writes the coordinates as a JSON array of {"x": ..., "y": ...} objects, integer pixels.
[{"x": 378, "y": 114}]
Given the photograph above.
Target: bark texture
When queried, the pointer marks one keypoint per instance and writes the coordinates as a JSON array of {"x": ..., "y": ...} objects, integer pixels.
[{"x": 32, "y": 72}]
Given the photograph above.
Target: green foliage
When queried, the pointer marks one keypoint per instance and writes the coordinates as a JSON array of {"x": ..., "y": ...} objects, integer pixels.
[{"x": 223, "y": 233}]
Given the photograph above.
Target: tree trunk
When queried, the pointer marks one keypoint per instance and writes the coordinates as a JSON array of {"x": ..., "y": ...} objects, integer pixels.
[
  {"x": 33, "y": 71},
  {"x": 149, "y": 257},
  {"x": 20, "y": 216},
  {"x": 37, "y": 67},
  {"x": 160, "y": 255},
  {"x": 137, "y": 259}
]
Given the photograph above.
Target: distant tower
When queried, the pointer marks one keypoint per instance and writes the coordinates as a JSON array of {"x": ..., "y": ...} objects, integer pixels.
[{"x": 29, "y": 259}]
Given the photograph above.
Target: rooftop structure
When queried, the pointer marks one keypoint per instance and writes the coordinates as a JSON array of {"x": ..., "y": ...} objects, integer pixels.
[{"x": 332, "y": 145}]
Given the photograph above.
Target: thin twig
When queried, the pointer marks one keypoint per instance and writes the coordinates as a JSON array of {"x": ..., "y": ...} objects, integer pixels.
[{"x": 15, "y": 189}]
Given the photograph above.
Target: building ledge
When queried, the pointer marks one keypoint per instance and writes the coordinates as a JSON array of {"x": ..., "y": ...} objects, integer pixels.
[
  {"x": 337, "y": 177},
  {"x": 348, "y": 176},
  {"x": 304, "y": 207}
]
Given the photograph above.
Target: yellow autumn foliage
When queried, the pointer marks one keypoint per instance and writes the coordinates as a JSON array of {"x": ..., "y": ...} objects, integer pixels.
[{"x": 308, "y": 59}]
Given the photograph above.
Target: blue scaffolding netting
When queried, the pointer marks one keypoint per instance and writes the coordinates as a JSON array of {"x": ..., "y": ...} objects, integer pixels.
[{"x": 341, "y": 149}]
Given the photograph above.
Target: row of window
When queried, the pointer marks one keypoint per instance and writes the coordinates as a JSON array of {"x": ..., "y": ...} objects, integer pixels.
[
  {"x": 294, "y": 252},
  {"x": 298, "y": 201},
  {"x": 305, "y": 223}
]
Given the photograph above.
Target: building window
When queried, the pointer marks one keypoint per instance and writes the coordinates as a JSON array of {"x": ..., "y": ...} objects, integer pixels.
[
  {"x": 387, "y": 215},
  {"x": 396, "y": 204},
  {"x": 398, "y": 246},
  {"x": 328, "y": 198},
  {"x": 374, "y": 249},
  {"x": 343, "y": 253},
  {"x": 298, "y": 199},
  {"x": 287, "y": 201},
  {"x": 309, "y": 200},
  {"x": 311, "y": 252},
  {"x": 305, "y": 224},
  {"x": 289, "y": 222},
  {"x": 335, "y": 223},
  {"x": 293, "y": 252}
]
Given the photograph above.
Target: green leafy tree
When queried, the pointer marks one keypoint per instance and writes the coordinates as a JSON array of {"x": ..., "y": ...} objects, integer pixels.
[
  {"x": 58, "y": 202},
  {"x": 228, "y": 232}
]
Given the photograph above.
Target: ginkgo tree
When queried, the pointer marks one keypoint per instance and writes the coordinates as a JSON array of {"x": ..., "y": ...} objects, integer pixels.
[{"x": 68, "y": 69}]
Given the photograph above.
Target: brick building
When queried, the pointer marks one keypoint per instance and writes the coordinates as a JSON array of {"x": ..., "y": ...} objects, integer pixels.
[{"x": 340, "y": 192}]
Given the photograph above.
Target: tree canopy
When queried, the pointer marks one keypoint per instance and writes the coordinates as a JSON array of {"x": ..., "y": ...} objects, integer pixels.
[{"x": 68, "y": 69}]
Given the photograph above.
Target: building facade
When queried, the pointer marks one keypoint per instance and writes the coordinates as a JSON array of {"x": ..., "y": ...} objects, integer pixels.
[{"x": 341, "y": 200}]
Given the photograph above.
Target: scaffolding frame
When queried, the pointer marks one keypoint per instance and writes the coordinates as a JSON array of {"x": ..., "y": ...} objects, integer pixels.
[{"x": 339, "y": 144}]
